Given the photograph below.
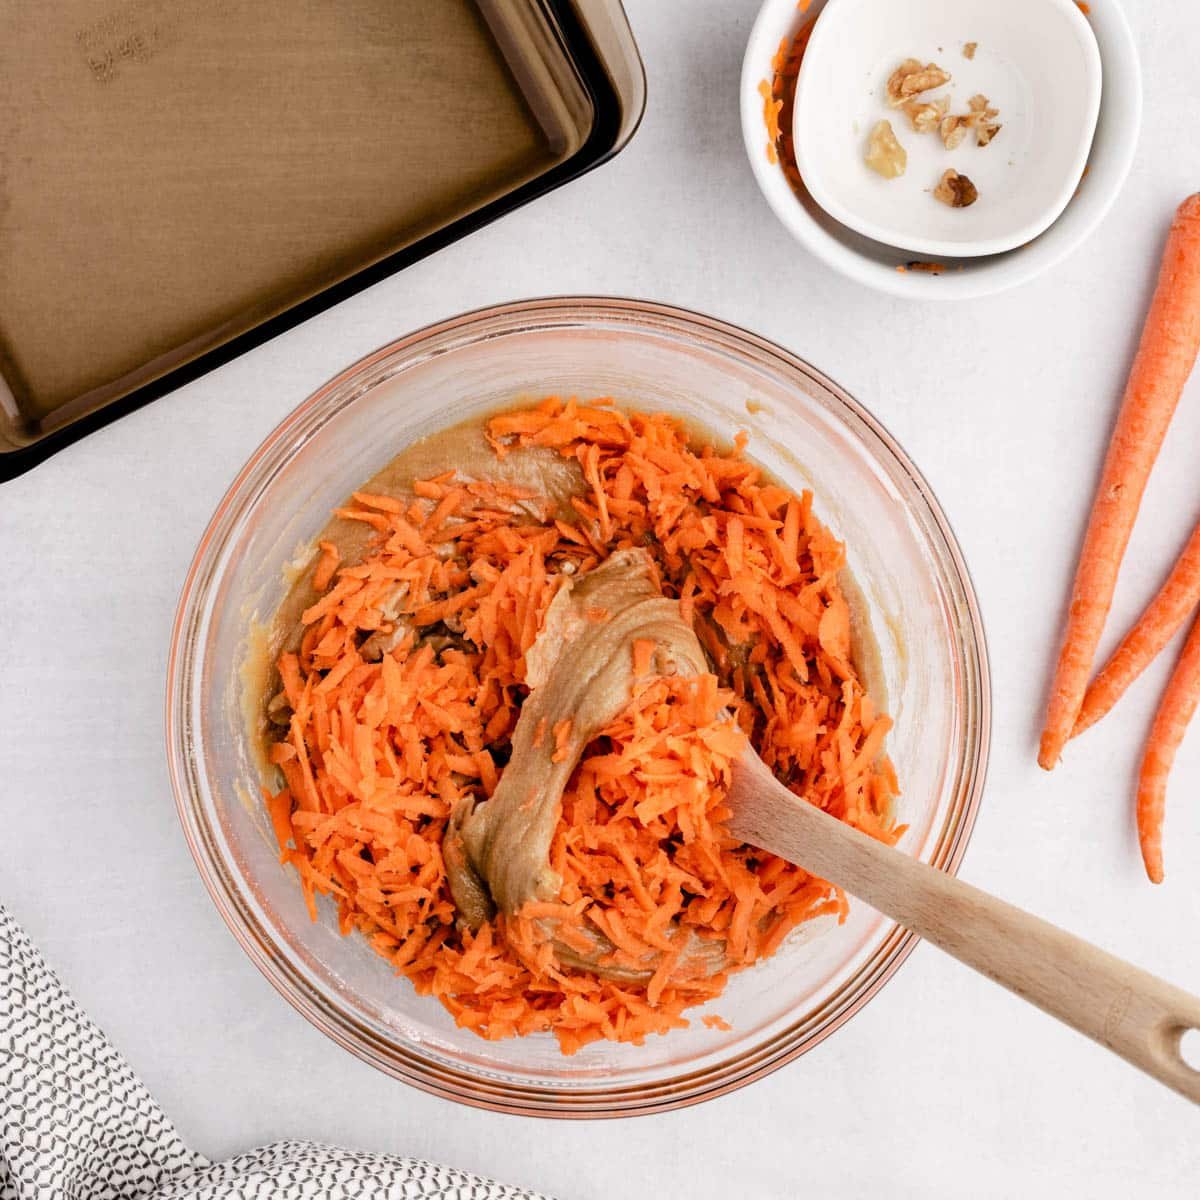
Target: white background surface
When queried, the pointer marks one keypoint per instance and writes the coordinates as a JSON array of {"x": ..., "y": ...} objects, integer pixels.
[{"x": 943, "y": 1085}]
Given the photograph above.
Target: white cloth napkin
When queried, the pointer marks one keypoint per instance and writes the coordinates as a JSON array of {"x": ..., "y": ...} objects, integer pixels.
[{"x": 77, "y": 1124}]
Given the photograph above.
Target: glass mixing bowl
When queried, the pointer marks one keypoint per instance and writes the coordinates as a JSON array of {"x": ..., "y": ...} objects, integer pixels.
[{"x": 807, "y": 431}]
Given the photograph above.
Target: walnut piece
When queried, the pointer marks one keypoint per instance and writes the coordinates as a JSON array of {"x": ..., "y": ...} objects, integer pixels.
[
  {"x": 926, "y": 115},
  {"x": 969, "y": 49},
  {"x": 909, "y": 79},
  {"x": 955, "y": 190},
  {"x": 953, "y": 130},
  {"x": 985, "y": 133},
  {"x": 884, "y": 153},
  {"x": 982, "y": 118}
]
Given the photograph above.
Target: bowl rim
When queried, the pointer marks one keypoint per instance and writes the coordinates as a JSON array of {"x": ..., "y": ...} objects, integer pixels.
[
  {"x": 404, "y": 1061},
  {"x": 974, "y": 277}
]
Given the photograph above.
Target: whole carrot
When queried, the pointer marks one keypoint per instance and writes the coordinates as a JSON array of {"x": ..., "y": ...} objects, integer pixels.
[
  {"x": 1170, "y": 340},
  {"x": 1170, "y": 724},
  {"x": 1156, "y": 626}
]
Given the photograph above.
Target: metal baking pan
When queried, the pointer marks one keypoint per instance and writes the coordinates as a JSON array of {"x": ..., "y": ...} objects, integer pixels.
[{"x": 182, "y": 179}]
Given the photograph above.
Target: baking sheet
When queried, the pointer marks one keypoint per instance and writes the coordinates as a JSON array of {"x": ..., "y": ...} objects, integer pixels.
[{"x": 176, "y": 174}]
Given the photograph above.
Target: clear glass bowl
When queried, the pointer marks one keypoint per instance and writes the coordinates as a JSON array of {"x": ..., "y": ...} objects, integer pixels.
[{"x": 810, "y": 434}]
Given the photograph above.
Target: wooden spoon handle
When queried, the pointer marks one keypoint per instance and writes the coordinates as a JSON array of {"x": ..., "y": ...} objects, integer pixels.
[{"x": 1133, "y": 1013}]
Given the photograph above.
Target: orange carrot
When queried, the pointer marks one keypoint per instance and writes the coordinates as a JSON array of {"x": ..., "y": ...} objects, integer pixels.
[
  {"x": 1156, "y": 626},
  {"x": 1175, "y": 710},
  {"x": 1169, "y": 344}
]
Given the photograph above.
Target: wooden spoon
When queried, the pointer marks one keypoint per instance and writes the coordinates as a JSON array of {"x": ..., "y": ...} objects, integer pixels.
[{"x": 1131, "y": 1012}]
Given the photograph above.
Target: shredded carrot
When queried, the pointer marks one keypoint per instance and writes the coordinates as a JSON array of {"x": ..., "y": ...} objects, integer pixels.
[
  {"x": 326, "y": 565},
  {"x": 562, "y": 736},
  {"x": 779, "y": 94},
  {"x": 643, "y": 656},
  {"x": 771, "y": 110},
  {"x": 712, "y": 1020},
  {"x": 378, "y": 753}
]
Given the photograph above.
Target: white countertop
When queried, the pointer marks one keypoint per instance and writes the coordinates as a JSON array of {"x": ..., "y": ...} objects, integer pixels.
[{"x": 944, "y": 1084}]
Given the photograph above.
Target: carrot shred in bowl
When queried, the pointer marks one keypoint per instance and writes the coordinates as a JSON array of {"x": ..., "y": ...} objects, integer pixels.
[
  {"x": 457, "y": 578},
  {"x": 779, "y": 94}
]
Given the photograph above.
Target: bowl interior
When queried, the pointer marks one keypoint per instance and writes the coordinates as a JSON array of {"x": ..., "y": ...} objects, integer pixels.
[
  {"x": 804, "y": 431},
  {"x": 1035, "y": 60},
  {"x": 877, "y": 264}
]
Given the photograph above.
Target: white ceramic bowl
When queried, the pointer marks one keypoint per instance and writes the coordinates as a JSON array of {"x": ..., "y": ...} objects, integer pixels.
[
  {"x": 876, "y": 263},
  {"x": 1036, "y": 61}
]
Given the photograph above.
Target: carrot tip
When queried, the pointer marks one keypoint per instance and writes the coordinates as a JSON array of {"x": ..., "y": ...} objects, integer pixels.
[{"x": 1049, "y": 753}]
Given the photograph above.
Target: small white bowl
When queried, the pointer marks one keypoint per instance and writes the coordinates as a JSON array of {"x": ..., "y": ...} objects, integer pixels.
[
  {"x": 1036, "y": 61},
  {"x": 876, "y": 264}
]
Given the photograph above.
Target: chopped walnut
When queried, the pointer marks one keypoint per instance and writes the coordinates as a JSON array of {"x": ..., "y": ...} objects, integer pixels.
[
  {"x": 384, "y": 641},
  {"x": 955, "y": 190},
  {"x": 905, "y": 88},
  {"x": 394, "y": 629},
  {"x": 909, "y": 79},
  {"x": 926, "y": 115},
  {"x": 279, "y": 710},
  {"x": 982, "y": 118},
  {"x": 884, "y": 154},
  {"x": 953, "y": 130},
  {"x": 985, "y": 133}
]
